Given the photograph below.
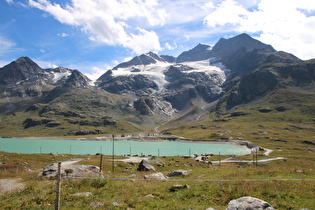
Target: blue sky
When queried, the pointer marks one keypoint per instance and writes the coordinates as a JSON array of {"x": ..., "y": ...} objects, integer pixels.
[{"x": 95, "y": 35}]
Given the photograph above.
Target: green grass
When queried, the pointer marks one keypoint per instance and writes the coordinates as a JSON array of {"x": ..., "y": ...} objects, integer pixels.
[
  {"x": 132, "y": 193},
  {"x": 283, "y": 132}
]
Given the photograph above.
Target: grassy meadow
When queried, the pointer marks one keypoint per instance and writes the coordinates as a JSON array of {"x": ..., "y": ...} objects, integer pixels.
[{"x": 285, "y": 184}]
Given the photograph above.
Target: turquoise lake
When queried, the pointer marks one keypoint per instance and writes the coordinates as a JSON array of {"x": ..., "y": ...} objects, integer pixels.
[{"x": 121, "y": 147}]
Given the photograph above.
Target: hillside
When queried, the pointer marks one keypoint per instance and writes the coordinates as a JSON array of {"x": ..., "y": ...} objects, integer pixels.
[{"x": 153, "y": 92}]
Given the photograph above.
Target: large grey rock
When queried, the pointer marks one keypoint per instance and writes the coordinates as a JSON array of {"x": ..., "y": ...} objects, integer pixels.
[
  {"x": 51, "y": 170},
  {"x": 145, "y": 166},
  {"x": 83, "y": 194},
  {"x": 179, "y": 172},
  {"x": 249, "y": 203},
  {"x": 158, "y": 176}
]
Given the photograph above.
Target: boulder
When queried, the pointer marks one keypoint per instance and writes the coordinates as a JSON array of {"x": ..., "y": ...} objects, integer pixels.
[
  {"x": 83, "y": 194},
  {"x": 249, "y": 203},
  {"x": 179, "y": 172},
  {"x": 51, "y": 170},
  {"x": 157, "y": 176},
  {"x": 175, "y": 188},
  {"x": 145, "y": 166}
]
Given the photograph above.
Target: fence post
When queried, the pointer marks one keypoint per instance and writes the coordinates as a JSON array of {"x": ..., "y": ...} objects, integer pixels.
[
  {"x": 58, "y": 183},
  {"x": 101, "y": 163},
  {"x": 113, "y": 157}
]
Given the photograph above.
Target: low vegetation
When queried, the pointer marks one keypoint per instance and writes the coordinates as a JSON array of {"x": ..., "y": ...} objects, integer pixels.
[
  {"x": 279, "y": 124},
  {"x": 285, "y": 184}
]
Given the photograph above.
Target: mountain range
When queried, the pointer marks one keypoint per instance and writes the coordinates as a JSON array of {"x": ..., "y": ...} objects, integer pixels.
[{"x": 150, "y": 89}]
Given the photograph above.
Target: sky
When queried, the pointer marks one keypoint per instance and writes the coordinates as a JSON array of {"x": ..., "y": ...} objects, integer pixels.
[{"x": 96, "y": 35}]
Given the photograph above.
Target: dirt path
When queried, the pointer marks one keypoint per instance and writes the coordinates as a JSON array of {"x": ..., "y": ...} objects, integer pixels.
[{"x": 132, "y": 159}]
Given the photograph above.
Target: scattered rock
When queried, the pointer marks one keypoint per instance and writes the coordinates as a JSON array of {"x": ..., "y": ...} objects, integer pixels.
[
  {"x": 179, "y": 172},
  {"x": 158, "y": 176},
  {"x": 179, "y": 187},
  {"x": 299, "y": 171},
  {"x": 145, "y": 166},
  {"x": 249, "y": 203},
  {"x": 84, "y": 194},
  {"x": 116, "y": 204},
  {"x": 51, "y": 170},
  {"x": 96, "y": 204}
]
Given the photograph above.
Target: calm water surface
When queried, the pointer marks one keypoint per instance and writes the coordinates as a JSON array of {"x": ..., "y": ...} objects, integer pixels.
[{"x": 165, "y": 148}]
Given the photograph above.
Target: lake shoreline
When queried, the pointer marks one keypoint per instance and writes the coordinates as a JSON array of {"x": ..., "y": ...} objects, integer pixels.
[{"x": 149, "y": 138}]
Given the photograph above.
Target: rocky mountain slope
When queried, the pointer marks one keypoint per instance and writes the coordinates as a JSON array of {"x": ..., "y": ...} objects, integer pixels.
[{"x": 149, "y": 89}]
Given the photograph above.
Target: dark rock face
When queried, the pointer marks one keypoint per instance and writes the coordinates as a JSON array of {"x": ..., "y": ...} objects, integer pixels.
[
  {"x": 77, "y": 79},
  {"x": 184, "y": 85},
  {"x": 144, "y": 106},
  {"x": 145, "y": 166},
  {"x": 241, "y": 43},
  {"x": 198, "y": 53},
  {"x": 19, "y": 70},
  {"x": 31, "y": 122},
  {"x": 144, "y": 59},
  {"x": 269, "y": 77},
  {"x": 139, "y": 85},
  {"x": 181, "y": 99}
]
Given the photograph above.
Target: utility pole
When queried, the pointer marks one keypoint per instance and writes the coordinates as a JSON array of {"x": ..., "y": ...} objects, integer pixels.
[{"x": 58, "y": 184}]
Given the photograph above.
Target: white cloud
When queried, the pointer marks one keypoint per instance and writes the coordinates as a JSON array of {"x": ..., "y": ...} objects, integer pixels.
[
  {"x": 111, "y": 22},
  {"x": 281, "y": 23},
  {"x": 168, "y": 46},
  {"x": 63, "y": 34},
  {"x": 96, "y": 72},
  {"x": 228, "y": 12},
  {"x": 6, "y": 45},
  {"x": 9, "y": 1}
]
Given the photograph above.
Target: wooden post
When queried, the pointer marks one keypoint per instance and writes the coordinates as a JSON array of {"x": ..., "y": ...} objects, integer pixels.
[
  {"x": 219, "y": 158},
  {"x": 253, "y": 157},
  {"x": 113, "y": 158},
  {"x": 101, "y": 163},
  {"x": 256, "y": 156},
  {"x": 58, "y": 183}
]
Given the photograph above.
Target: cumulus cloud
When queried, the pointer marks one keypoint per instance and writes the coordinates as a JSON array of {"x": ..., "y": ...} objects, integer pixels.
[
  {"x": 111, "y": 22},
  {"x": 286, "y": 25}
]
